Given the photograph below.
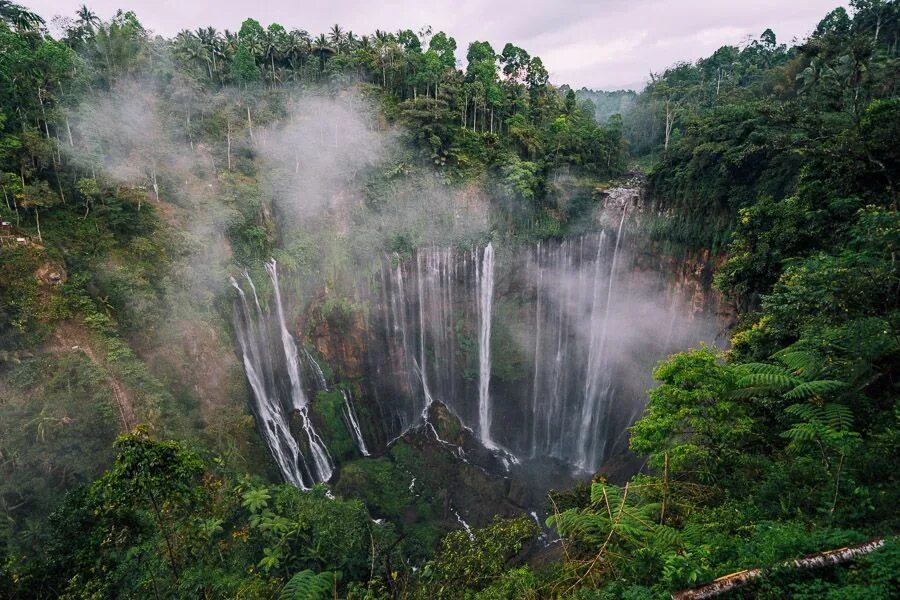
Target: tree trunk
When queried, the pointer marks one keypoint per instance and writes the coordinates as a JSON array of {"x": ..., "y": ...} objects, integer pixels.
[
  {"x": 228, "y": 138},
  {"x": 465, "y": 109},
  {"x": 826, "y": 558},
  {"x": 670, "y": 120},
  {"x": 188, "y": 125},
  {"x": 250, "y": 123},
  {"x": 37, "y": 220}
]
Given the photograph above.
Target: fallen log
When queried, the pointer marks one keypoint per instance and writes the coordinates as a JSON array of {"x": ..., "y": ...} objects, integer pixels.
[{"x": 812, "y": 561}]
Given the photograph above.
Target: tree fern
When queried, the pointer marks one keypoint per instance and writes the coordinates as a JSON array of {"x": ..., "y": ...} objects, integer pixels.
[
  {"x": 829, "y": 426},
  {"x": 813, "y": 389},
  {"x": 307, "y": 585},
  {"x": 791, "y": 381},
  {"x": 805, "y": 363},
  {"x": 611, "y": 518}
]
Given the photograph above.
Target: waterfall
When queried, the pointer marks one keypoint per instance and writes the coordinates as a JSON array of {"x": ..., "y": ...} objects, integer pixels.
[
  {"x": 321, "y": 460},
  {"x": 320, "y": 376},
  {"x": 485, "y": 285},
  {"x": 269, "y": 409},
  {"x": 273, "y": 411},
  {"x": 536, "y": 377},
  {"x": 595, "y": 404},
  {"x": 589, "y": 454},
  {"x": 353, "y": 423},
  {"x": 576, "y": 325}
]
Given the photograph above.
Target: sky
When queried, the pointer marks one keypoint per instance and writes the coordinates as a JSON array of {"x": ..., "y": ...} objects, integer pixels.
[{"x": 600, "y": 44}]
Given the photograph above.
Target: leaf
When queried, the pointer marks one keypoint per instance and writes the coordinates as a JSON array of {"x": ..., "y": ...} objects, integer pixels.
[
  {"x": 815, "y": 388},
  {"x": 307, "y": 585},
  {"x": 773, "y": 380}
]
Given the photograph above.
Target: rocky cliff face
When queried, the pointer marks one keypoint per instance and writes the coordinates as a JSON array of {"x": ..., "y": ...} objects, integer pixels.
[{"x": 576, "y": 327}]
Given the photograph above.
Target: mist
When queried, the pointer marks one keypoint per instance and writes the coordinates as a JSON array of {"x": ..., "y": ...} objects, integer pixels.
[{"x": 351, "y": 212}]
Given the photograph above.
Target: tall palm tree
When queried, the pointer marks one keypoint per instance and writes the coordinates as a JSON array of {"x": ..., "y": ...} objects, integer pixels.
[
  {"x": 296, "y": 48},
  {"x": 211, "y": 42},
  {"x": 322, "y": 49},
  {"x": 275, "y": 48},
  {"x": 86, "y": 18},
  {"x": 188, "y": 48},
  {"x": 351, "y": 41},
  {"x": 18, "y": 17},
  {"x": 336, "y": 36},
  {"x": 230, "y": 40}
]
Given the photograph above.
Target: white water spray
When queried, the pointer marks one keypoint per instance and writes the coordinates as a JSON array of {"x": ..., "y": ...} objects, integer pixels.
[
  {"x": 485, "y": 285},
  {"x": 353, "y": 422}
]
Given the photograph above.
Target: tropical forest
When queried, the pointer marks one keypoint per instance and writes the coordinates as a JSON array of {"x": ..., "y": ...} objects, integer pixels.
[{"x": 382, "y": 315}]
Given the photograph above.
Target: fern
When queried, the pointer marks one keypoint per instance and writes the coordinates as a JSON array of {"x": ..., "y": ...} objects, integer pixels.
[
  {"x": 772, "y": 380},
  {"x": 307, "y": 585},
  {"x": 611, "y": 518},
  {"x": 829, "y": 425},
  {"x": 801, "y": 362},
  {"x": 813, "y": 389},
  {"x": 764, "y": 369}
]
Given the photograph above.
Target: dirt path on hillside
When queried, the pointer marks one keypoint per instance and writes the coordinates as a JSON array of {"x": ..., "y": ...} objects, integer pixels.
[{"x": 72, "y": 337}]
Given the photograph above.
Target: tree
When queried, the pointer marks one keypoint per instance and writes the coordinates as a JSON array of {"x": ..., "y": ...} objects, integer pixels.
[
  {"x": 18, "y": 17},
  {"x": 243, "y": 65},
  {"x": 38, "y": 196},
  {"x": 515, "y": 62},
  {"x": 693, "y": 426},
  {"x": 444, "y": 47},
  {"x": 87, "y": 18},
  {"x": 472, "y": 561},
  {"x": 161, "y": 477}
]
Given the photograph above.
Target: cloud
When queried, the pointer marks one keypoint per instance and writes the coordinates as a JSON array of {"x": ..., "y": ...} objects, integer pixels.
[{"x": 581, "y": 55}]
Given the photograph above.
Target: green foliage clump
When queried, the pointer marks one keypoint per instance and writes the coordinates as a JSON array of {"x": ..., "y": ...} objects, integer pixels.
[{"x": 468, "y": 562}]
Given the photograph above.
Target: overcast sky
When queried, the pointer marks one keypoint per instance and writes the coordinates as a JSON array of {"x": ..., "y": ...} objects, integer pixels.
[{"x": 602, "y": 44}]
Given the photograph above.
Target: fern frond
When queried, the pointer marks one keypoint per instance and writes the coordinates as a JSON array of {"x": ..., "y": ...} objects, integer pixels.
[
  {"x": 801, "y": 362},
  {"x": 772, "y": 380},
  {"x": 838, "y": 416},
  {"x": 812, "y": 389},
  {"x": 307, "y": 585}
]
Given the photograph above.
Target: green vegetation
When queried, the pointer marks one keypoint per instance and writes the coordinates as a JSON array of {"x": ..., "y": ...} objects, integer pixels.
[{"x": 784, "y": 160}]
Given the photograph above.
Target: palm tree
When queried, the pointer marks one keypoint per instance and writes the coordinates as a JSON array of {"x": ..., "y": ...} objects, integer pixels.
[
  {"x": 18, "y": 17},
  {"x": 275, "y": 47},
  {"x": 351, "y": 40},
  {"x": 230, "y": 39},
  {"x": 322, "y": 49},
  {"x": 189, "y": 49},
  {"x": 296, "y": 47},
  {"x": 336, "y": 36},
  {"x": 211, "y": 43},
  {"x": 87, "y": 18}
]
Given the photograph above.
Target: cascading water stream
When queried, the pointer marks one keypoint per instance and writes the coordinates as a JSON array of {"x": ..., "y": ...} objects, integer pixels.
[
  {"x": 321, "y": 460},
  {"x": 485, "y": 286},
  {"x": 273, "y": 411},
  {"x": 317, "y": 369},
  {"x": 268, "y": 407},
  {"x": 578, "y": 340},
  {"x": 353, "y": 423},
  {"x": 597, "y": 380}
]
